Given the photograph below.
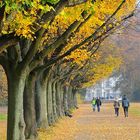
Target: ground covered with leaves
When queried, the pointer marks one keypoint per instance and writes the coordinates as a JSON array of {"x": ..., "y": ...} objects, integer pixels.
[{"x": 88, "y": 125}]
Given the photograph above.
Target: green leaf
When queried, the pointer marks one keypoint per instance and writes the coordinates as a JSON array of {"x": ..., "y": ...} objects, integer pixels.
[{"x": 50, "y": 1}]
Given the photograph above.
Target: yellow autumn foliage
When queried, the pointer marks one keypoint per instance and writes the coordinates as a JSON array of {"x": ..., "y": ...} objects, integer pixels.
[
  {"x": 103, "y": 70},
  {"x": 100, "y": 11},
  {"x": 61, "y": 129},
  {"x": 79, "y": 56},
  {"x": 21, "y": 21}
]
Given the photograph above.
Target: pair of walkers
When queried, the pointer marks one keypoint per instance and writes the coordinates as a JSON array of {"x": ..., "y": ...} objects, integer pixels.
[
  {"x": 96, "y": 103},
  {"x": 125, "y": 105}
]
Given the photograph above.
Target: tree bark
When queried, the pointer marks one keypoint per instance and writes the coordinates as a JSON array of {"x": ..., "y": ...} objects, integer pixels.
[
  {"x": 16, "y": 124},
  {"x": 69, "y": 97},
  {"x": 58, "y": 99},
  {"x": 65, "y": 100},
  {"x": 54, "y": 100},
  {"x": 61, "y": 98},
  {"x": 50, "y": 104},
  {"x": 41, "y": 103},
  {"x": 29, "y": 108},
  {"x": 74, "y": 98}
]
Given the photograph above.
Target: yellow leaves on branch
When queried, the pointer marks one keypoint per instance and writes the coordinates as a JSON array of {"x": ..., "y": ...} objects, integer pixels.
[
  {"x": 100, "y": 11},
  {"x": 103, "y": 70},
  {"x": 79, "y": 56},
  {"x": 23, "y": 27},
  {"x": 127, "y": 8},
  {"x": 21, "y": 19},
  {"x": 96, "y": 56}
]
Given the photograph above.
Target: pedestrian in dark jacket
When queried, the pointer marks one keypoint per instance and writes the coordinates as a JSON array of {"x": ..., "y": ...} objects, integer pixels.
[
  {"x": 98, "y": 103},
  {"x": 125, "y": 105},
  {"x": 116, "y": 107}
]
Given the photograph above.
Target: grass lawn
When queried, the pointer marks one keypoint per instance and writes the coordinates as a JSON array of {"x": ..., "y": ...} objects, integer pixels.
[{"x": 3, "y": 117}]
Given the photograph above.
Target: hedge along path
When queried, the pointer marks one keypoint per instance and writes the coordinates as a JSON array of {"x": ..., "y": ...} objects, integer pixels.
[{"x": 88, "y": 125}]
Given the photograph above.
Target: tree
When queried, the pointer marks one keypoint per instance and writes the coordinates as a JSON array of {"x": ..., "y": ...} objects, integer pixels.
[{"x": 34, "y": 36}]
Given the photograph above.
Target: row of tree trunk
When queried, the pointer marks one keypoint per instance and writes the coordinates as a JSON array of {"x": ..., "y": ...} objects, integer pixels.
[{"x": 45, "y": 99}]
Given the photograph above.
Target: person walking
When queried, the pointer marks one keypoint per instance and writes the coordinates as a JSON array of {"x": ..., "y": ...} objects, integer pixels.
[
  {"x": 116, "y": 107},
  {"x": 94, "y": 104},
  {"x": 98, "y": 103},
  {"x": 125, "y": 105}
]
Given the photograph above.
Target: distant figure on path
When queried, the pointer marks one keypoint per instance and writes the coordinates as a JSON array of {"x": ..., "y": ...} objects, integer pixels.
[
  {"x": 98, "y": 103},
  {"x": 94, "y": 103},
  {"x": 116, "y": 107},
  {"x": 125, "y": 105}
]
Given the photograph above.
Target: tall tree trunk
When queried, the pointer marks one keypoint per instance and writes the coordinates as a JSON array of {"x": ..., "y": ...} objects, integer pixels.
[
  {"x": 61, "y": 97},
  {"x": 29, "y": 108},
  {"x": 41, "y": 103},
  {"x": 74, "y": 98},
  {"x": 58, "y": 99},
  {"x": 65, "y": 100},
  {"x": 54, "y": 100},
  {"x": 50, "y": 98},
  {"x": 69, "y": 97},
  {"x": 15, "y": 125}
]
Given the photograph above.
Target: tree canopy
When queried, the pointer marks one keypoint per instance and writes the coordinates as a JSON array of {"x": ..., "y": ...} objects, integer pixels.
[{"x": 51, "y": 45}]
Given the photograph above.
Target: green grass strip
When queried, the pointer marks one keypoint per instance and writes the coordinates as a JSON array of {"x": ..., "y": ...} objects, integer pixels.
[{"x": 3, "y": 117}]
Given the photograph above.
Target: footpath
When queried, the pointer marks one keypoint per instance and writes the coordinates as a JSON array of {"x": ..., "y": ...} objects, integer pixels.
[{"x": 88, "y": 125}]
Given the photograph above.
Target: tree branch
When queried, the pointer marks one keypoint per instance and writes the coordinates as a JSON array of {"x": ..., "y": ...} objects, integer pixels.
[
  {"x": 3, "y": 60},
  {"x": 61, "y": 42},
  {"x": 46, "y": 18},
  {"x": 33, "y": 48},
  {"x": 49, "y": 16},
  {"x": 4, "y": 45}
]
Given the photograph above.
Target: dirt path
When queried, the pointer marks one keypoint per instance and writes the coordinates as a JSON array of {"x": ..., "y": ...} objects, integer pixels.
[
  {"x": 88, "y": 125},
  {"x": 105, "y": 126}
]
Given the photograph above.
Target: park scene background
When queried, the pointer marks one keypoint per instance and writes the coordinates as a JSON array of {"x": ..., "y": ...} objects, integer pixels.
[{"x": 55, "y": 56}]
